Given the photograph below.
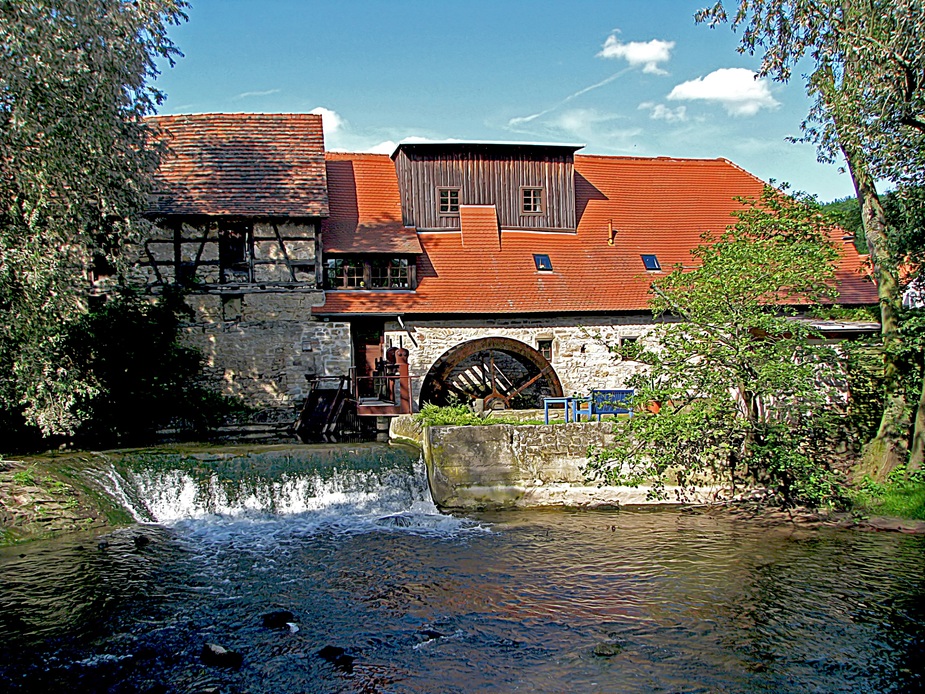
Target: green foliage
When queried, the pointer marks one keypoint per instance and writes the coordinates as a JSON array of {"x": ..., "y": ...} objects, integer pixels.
[
  {"x": 143, "y": 377},
  {"x": 902, "y": 495},
  {"x": 449, "y": 415},
  {"x": 74, "y": 174},
  {"x": 745, "y": 393},
  {"x": 25, "y": 477},
  {"x": 846, "y": 213}
]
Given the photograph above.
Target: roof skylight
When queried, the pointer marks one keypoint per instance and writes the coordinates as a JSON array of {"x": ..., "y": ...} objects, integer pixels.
[
  {"x": 542, "y": 261},
  {"x": 651, "y": 262}
]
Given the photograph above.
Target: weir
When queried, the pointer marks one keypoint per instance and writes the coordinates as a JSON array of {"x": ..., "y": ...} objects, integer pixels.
[{"x": 351, "y": 485}]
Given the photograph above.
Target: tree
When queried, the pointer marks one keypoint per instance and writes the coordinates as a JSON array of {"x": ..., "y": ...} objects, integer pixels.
[
  {"x": 867, "y": 80},
  {"x": 148, "y": 380},
  {"x": 75, "y": 168},
  {"x": 744, "y": 391}
]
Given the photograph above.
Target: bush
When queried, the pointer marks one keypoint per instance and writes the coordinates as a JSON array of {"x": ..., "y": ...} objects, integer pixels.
[{"x": 146, "y": 379}]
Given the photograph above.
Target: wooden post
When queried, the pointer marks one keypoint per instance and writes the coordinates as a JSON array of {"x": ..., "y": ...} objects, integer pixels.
[{"x": 404, "y": 380}]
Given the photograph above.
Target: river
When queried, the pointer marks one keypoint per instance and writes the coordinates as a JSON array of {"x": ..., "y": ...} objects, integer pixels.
[{"x": 650, "y": 600}]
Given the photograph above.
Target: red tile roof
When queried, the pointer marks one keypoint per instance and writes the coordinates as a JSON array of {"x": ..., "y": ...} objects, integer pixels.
[
  {"x": 247, "y": 164},
  {"x": 365, "y": 207},
  {"x": 656, "y": 206}
]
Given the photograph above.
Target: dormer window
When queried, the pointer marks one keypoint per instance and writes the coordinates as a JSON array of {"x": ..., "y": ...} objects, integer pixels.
[
  {"x": 542, "y": 262},
  {"x": 651, "y": 262},
  {"x": 449, "y": 201},
  {"x": 531, "y": 200}
]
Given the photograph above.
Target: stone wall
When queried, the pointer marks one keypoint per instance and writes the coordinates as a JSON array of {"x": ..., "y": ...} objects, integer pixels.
[
  {"x": 580, "y": 346},
  {"x": 523, "y": 466},
  {"x": 262, "y": 347}
]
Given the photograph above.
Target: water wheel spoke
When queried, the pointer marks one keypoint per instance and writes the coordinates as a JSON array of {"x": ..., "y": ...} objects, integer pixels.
[{"x": 526, "y": 384}]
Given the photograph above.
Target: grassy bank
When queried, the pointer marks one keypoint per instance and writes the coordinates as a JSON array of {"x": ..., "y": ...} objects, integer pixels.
[
  {"x": 902, "y": 495},
  {"x": 48, "y": 495}
]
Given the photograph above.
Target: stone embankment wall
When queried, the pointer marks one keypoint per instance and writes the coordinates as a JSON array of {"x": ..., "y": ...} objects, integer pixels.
[
  {"x": 519, "y": 466},
  {"x": 581, "y": 352}
]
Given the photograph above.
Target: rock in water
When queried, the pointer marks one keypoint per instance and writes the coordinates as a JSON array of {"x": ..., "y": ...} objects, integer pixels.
[
  {"x": 607, "y": 649},
  {"x": 278, "y": 619},
  {"x": 338, "y": 658},
  {"x": 217, "y": 656}
]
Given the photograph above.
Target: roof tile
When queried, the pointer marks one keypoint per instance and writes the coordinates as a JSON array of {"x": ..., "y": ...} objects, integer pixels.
[
  {"x": 657, "y": 206},
  {"x": 242, "y": 164}
]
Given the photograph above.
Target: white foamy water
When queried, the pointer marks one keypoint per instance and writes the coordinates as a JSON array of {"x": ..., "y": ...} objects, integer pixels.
[{"x": 222, "y": 504}]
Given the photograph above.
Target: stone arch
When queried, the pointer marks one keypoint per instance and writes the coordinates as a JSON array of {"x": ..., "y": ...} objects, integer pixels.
[{"x": 500, "y": 372}]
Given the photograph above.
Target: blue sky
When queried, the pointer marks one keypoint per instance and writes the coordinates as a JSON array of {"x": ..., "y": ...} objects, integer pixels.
[{"x": 625, "y": 77}]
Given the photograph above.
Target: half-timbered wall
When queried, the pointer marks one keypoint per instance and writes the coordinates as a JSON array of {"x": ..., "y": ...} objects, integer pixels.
[
  {"x": 251, "y": 285},
  {"x": 487, "y": 175},
  {"x": 216, "y": 254}
]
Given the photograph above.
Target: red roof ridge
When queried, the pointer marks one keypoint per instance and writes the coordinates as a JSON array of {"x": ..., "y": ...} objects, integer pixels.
[
  {"x": 335, "y": 154},
  {"x": 234, "y": 114},
  {"x": 636, "y": 157}
]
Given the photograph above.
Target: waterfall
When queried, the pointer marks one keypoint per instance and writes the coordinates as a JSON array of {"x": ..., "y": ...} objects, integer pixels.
[{"x": 349, "y": 488}]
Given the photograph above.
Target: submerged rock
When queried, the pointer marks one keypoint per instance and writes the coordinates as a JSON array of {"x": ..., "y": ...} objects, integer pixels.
[
  {"x": 608, "y": 649},
  {"x": 398, "y": 520},
  {"x": 338, "y": 658},
  {"x": 218, "y": 656},
  {"x": 278, "y": 619}
]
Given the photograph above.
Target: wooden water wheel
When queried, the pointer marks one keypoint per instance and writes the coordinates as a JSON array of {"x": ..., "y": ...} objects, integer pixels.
[{"x": 499, "y": 372}]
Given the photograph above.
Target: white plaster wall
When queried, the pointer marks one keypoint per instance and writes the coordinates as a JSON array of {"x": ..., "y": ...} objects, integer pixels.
[{"x": 581, "y": 346}]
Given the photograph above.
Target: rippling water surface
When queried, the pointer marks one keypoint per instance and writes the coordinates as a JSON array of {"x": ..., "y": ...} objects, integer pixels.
[{"x": 554, "y": 601}]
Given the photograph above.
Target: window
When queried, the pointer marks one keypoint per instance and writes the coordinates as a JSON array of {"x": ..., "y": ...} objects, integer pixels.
[
  {"x": 369, "y": 273},
  {"x": 344, "y": 273},
  {"x": 542, "y": 262},
  {"x": 544, "y": 347},
  {"x": 651, "y": 262},
  {"x": 388, "y": 273},
  {"x": 449, "y": 200},
  {"x": 531, "y": 200},
  {"x": 234, "y": 252}
]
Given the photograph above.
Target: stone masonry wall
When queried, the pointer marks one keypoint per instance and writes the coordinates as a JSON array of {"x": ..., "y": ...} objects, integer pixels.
[
  {"x": 522, "y": 466},
  {"x": 262, "y": 346},
  {"x": 580, "y": 346}
]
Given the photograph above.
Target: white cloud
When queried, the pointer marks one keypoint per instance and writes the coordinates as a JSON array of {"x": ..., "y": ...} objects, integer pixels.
[
  {"x": 665, "y": 113},
  {"x": 648, "y": 54},
  {"x": 735, "y": 88},
  {"x": 248, "y": 95},
  {"x": 330, "y": 120},
  {"x": 580, "y": 121},
  {"x": 386, "y": 147}
]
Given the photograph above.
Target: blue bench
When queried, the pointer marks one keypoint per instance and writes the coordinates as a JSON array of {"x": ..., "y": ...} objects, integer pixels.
[{"x": 602, "y": 402}]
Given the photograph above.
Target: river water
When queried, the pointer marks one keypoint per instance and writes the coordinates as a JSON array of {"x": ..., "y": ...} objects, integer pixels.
[{"x": 544, "y": 601}]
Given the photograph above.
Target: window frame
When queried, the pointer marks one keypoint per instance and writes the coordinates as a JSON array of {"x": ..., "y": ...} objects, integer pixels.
[
  {"x": 543, "y": 344},
  {"x": 650, "y": 259},
  {"x": 449, "y": 191},
  {"x": 399, "y": 270},
  {"x": 541, "y": 264},
  {"x": 236, "y": 253},
  {"x": 537, "y": 198}
]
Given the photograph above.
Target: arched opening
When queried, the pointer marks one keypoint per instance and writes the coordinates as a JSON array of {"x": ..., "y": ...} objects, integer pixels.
[{"x": 500, "y": 372}]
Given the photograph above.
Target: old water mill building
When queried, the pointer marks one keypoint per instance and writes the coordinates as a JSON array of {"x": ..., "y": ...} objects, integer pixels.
[{"x": 329, "y": 287}]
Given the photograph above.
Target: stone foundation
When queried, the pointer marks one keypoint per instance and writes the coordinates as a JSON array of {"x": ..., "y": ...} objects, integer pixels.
[
  {"x": 581, "y": 354},
  {"x": 263, "y": 348}
]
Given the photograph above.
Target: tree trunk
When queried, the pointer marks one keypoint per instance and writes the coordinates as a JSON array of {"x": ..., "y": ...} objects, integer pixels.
[
  {"x": 917, "y": 450},
  {"x": 886, "y": 451}
]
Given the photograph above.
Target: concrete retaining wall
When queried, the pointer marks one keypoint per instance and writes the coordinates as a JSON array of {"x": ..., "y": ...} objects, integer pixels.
[{"x": 522, "y": 466}]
